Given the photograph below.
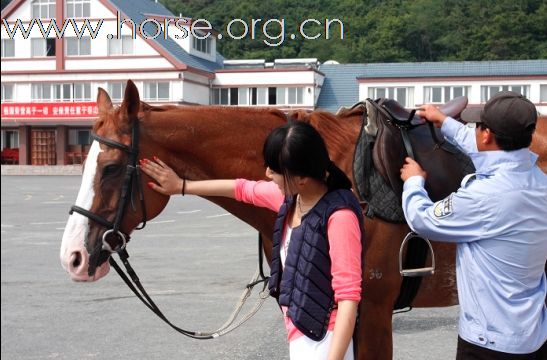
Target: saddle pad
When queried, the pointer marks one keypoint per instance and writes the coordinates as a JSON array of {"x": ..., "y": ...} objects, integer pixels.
[{"x": 372, "y": 188}]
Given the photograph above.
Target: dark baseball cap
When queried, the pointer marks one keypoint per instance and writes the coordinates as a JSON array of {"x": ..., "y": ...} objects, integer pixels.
[{"x": 507, "y": 114}]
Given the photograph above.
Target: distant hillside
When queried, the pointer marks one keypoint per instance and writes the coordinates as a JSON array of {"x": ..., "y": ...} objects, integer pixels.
[
  {"x": 378, "y": 30},
  {"x": 381, "y": 30}
]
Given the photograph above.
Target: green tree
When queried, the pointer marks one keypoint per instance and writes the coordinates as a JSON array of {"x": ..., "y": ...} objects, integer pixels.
[{"x": 383, "y": 31}]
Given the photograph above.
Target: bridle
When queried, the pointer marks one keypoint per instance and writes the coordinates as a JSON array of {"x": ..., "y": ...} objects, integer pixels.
[{"x": 132, "y": 178}]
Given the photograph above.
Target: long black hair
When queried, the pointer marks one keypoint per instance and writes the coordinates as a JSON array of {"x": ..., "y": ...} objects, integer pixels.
[{"x": 297, "y": 149}]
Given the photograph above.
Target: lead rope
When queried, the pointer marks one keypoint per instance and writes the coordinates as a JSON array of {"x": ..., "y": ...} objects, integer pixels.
[{"x": 227, "y": 327}]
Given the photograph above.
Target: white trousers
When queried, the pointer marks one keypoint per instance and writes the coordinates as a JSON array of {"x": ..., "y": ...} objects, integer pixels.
[{"x": 305, "y": 348}]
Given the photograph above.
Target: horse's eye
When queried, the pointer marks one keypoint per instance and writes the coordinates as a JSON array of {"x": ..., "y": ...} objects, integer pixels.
[{"x": 111, "y": 170}]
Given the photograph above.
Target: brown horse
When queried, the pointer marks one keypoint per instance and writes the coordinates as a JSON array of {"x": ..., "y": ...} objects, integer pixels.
[{"x": 225, "y": 142}]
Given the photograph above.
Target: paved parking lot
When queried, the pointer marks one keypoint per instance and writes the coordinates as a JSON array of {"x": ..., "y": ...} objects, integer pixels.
[{"x": 194, "y": 259}]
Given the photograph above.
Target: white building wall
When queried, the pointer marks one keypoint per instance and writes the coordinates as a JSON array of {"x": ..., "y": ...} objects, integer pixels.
[
  {"x": 308, "y": 79},
  {"x": 264, "y": 78},
  {"x": 29, "y": 65},
  {"x": 194, "y": 93},
  {"x": 474, "y": 94},
  {"x": 195, "y": 88},
  {"x": 102, "y": 19},
  {"x": 23, "y": 12},
  {"x": 125, "y": 63}
]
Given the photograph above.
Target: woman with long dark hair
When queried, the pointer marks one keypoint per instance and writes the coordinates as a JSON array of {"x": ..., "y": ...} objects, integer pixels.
[{"x": 316, "y": 259}]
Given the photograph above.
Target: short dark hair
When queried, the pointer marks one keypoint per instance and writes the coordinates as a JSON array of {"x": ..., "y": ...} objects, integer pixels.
[
  {"x": 509, "y": 143},
  {"x": 297, "y": 149}
]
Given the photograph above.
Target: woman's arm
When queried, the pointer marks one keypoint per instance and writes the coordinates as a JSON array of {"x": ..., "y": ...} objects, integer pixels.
[
  {"x": 344, "y": 235},
  {"x": 169, "y": 183},
  {"x": 343, "y": 328}
]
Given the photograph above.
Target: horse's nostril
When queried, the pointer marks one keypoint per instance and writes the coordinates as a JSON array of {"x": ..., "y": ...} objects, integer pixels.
[{"x": 76, "y": 259}]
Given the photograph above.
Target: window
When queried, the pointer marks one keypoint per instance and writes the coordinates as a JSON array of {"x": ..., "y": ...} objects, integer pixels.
[
  {"x": 79, "y": 137},
  {"x": 42, "y": 47},
  {"x": 7, "y": 92},
  {"x": 78, "y": 8},
  {"x": 61, "y": 92},
  {"x": 116, "y": 91},
  {"x": 488, "y": 91},
  {"x": 226, "y": 96},
  {"x": 233, "y": 96},
  {"x": 262, "y": 96},
  {"x": 10, "y": 139},
  {"x": 43, "y": 9},
  {"x": 403, "y": 95},
  {"x": 121, "y": 46},
  {"x": 280, "y": 95},
  {"x": 40, "y": 92},
  {"x": 77, "y": 47},
  {"x": 295, "y": 96},
  {"x": 156, "y": 91},
  {"x": 543, "y": 93},
  {"x": 241, "y": 96},
  {"x": 202, "y": 45},
  {"x": 82, "y": 92},
  {"x": 443, "y": 94},
  {"x": 8, "y": 48},
  {"x": 272, "y": 96},
  {"x": 289, "y": 95}
]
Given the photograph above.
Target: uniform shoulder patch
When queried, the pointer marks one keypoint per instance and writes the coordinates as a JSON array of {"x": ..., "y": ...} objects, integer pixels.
[{"x": 443, "y": 208}]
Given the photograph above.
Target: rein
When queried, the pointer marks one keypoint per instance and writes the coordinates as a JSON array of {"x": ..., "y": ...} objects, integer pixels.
[
  {"x": 132, "y": 178},
  {"x": 227, "y": 327}
]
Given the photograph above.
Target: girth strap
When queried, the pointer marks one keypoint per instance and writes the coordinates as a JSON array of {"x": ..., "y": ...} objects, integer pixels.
[{"x": 407, "y": 144}]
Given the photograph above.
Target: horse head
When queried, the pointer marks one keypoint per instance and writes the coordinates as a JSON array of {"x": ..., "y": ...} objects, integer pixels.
[{"x": 103, "y": 217}]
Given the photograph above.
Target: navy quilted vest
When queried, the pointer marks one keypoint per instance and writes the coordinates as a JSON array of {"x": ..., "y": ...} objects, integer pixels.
[{"x": 305, "y": 285}]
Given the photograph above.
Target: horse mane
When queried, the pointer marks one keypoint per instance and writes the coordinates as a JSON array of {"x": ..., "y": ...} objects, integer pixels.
[{"x": 338, "y": 131}]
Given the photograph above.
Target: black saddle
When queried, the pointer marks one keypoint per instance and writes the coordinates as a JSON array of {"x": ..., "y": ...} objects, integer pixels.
[{"x": 400, "y": 135}]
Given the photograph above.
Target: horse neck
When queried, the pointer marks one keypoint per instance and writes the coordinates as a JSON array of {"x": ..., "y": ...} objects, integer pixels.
[
  {"x": 340, "y": 134},
  {"x": 209, "y": 142}
]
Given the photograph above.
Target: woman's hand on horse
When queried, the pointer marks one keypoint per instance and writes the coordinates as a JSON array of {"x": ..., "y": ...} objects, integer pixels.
[
  {"x": 411, "y": 168},
  {"x": 168, "y": 182},
  {"x": 431, "y": 113}
]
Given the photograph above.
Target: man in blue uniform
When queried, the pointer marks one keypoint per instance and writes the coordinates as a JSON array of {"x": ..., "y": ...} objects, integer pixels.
[{"x": 498, "y": 219}]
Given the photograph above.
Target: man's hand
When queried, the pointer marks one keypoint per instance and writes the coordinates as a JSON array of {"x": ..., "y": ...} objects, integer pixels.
[
  {"x": 431, "y": 113},
  {"x": 412, "y": 168}
]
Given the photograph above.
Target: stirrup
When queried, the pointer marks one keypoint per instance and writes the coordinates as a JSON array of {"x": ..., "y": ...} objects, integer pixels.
[{"x": 425, "y": 271}]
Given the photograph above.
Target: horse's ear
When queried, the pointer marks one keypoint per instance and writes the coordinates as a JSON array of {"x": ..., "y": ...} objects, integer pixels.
[
  {"x": 131, "y": 100},
  {"x": 103, "y": 101}
]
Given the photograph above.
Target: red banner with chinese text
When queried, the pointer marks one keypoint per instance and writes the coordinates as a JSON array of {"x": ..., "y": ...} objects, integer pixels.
[{"x": 48, "y": 110}]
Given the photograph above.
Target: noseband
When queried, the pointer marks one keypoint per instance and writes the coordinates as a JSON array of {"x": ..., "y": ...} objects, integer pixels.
[{"x": 132, "y": 177}]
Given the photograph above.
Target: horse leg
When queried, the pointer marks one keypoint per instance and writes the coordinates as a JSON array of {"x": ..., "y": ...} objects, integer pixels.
[
  {"x": 381, "y": 285},
  {"x": 374, "y": 331}
]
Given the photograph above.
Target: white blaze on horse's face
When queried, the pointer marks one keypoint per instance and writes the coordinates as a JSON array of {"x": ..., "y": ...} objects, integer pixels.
[{"x": 74, "y": 255}]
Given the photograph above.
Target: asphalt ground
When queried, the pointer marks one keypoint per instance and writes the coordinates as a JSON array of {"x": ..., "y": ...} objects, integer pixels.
[{"x": 194, "y": 259}]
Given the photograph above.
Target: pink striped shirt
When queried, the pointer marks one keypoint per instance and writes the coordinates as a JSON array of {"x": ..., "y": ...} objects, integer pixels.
[{"x": 344, "y": 237}]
